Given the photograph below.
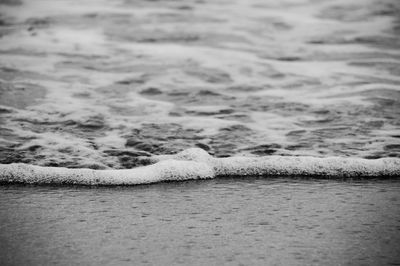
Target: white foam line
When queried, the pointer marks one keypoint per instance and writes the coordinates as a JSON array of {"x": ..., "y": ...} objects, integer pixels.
[{"x": 197, "y": 164}]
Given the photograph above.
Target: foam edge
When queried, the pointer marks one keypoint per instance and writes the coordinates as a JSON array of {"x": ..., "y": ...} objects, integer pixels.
[{"x": 196, "y": 163}]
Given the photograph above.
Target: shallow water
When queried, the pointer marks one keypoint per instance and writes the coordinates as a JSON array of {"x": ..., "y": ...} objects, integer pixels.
[
  {"x": 99, "y": 83},
  {"x": 226, "y": 221},
  {"x": 103, "y": 84}
]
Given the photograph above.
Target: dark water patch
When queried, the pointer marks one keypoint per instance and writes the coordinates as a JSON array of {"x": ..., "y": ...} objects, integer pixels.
[
  {"x": 11, "y": 2},
  {"x": 116, "y": 91},
  {"x": 21, "y": 95},
  {"x": 276, "y": 23},
  {"x": 130, "y": 158},
  {"x": 303, "y": 82},
  {"x": 391, "y": 8},
  {"x": 396, "y": 27},
  {"x": 392, "y": 148},
  {"x": 289, "y": 58},
  {"x": 388, "y": 108},
  {"x": 263, "y": 149},
  {"x": 38, "y": 154},
  {"x": 77, "y": 56},
  {"x": 161, "y": 27},
  {"x": 76, "y": 163},
  {"x": 103, "y": 65},
  {"x": 10, "y": 155},
  {"x": 4, "y": 31},
  {"x": 133, "y": 81},
  {"x": 154, "y": 35},
  {"x": 391, "y": 67},
  {"x": 247, "y": 88},
  {"x": 229, "y": 140},
  {"x": 117, "y": 152},
  {"x": 197, "y": 96},
  {"x": 151, "y": 91},
  {"x": 13, "y": 74},
  {"x": 375, "y": 155},
  {"x": 325, "y": 57},
  {"x": 93, "y": 126},
  {"x": 380, "y": 91},
  {"x": 300, "y": 146},
  {"x": 340, "y": 143},
  {"x": 24, "y": 52},
  {"x": 348, "y": 13},
  {"x": 39, "y": 23},
  {"x": 296, "y": 133},
  {"x": 157, "y": 37},
  {"x": 209, "y": 97},
  {"x": 332, "y": 132},
  {"x": 184, "y": 7},
  {"x": 164, "y": 138},
  {"x": 88, "y": 64},
  {"x": 142, "y": 146},
  {"x": 270, "y": 104},
  {"x": 239, "y": 117},
  {"x": 377, "y": 124},
  {"x": 320, "y": 120},
  {"x": 203, "y": 146},
  {"x": 176, "y": 16},
  {"x": 11, "y": 138},
  {"x": 5, "y": 110},
  {"x": 166, "y": 131},
  {"x": 177, "y": 111},
  {"x": 209, "y": 75},
  {"x": 377, "y": 41},
  {"x": 82, "y": 95},
  {"x": 93, "y": 123},
  {"x": 359, "y": 13},
  {"x": 346, "y": 123},
  {"x": 211, "y": 112},
  {"x": 179, "y": 93}
]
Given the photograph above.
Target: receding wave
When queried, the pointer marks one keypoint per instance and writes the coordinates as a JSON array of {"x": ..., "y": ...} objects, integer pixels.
[
  {"x": 101, "y": 85},
  {"x": 197, "y": 164}
]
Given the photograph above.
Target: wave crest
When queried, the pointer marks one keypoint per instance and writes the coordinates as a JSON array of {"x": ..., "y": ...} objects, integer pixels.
[{"x": 197, "y": 164}]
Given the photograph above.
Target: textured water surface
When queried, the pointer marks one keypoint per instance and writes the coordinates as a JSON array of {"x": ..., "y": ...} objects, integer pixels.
[
  {"x": 215, "y": 222},
  {"x": 99, "y": 83}
]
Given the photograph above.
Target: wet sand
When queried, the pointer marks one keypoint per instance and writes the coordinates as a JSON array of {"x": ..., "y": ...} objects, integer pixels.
[{"x": 214, "y": 222}]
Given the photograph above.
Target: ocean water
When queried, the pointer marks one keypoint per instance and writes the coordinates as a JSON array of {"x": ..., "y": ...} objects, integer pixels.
[
  {"x": 216, "y": 222},
  {"x": 127, "y": 92},
  {"x": 100, "y": 84}
]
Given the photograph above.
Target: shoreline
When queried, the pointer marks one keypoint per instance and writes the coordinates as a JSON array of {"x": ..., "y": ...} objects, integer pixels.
[{"x": 195, "y": 163}]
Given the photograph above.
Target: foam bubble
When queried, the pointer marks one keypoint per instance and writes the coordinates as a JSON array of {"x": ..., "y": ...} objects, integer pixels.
[
  {"x": 197, "y": 164},
  {"x": 167, "y": 170}
]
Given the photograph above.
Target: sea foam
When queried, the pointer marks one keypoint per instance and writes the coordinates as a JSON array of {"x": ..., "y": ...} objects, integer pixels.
[{"x": 197, "y": 164}]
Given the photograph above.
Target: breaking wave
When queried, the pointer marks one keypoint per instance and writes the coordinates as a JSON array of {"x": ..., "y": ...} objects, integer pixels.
[{"x": 197, "y": 164}]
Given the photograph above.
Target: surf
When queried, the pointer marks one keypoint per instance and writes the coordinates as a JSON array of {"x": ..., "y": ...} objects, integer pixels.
[{"x": 196, "y": 163}]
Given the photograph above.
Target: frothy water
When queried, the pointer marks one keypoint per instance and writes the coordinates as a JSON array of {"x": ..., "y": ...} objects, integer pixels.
[
  {"x": 100, "y": 84},
  {"x": 120, "y": 92},
  {"x": 218, "y": 222},
  {"x": 196, "y": 163}
]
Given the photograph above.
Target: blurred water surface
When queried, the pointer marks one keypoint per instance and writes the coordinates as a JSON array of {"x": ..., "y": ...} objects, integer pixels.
[{"x": 99, "y": 83}]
